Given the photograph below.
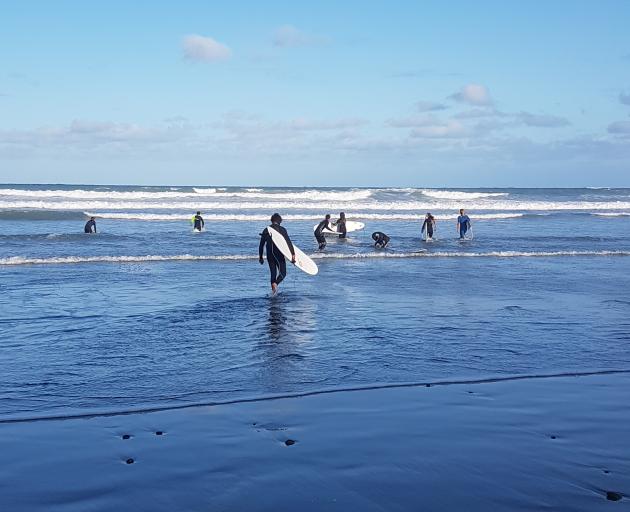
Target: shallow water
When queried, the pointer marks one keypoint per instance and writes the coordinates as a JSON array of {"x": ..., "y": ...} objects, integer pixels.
[{"x": 147, "y": 313}]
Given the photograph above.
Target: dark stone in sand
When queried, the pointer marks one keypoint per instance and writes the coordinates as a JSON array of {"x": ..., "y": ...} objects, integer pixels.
[
  {"x": 606, "y": 471},
  {"x": 553, "y": 437},
  {"x": 126, "y": 436},
  {"x": 129, "y": 461},
  {"x": 289, "y": 442},
  {"x": 159, "y": 433},
  {"x": 428, "y": 385},
  {"x": 613, "y": 496}
]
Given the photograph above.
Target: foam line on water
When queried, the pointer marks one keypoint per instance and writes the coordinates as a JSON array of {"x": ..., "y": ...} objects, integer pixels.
[{"x": 65, "y": 260}]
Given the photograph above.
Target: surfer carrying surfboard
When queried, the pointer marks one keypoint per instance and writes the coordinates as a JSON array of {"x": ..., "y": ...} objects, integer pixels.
[
  {"x": 275, "y": 259},
  {"x": 428, "y": 225},
  {"x": 197, "y": 221},
  {"x": 463, "y": 224},
  {"x": 319, "y": 236}
]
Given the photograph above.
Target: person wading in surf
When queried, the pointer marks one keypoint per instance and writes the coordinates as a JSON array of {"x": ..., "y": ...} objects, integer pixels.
[
  {"x": 275, "y": 259},
  {"x": 90, "y": 226},
  {"x": 463, "y": 224},
  {"x": 340, "y": 223},
  {"x": 197, "y": 222},
  {"x": 319, "y": 236},
  {"x": 428, "y": 225}
]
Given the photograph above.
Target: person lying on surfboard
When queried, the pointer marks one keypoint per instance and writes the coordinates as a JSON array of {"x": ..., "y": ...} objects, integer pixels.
[
  {"x": 197, "y": 221},
  {"x": 275, "y": 259},
  {"x": 463, "y": 224},
  {"x": 319, "y": 236},
  {"x": 341, "y": 225},
  {"x": 428, "y": 224},
  {"x": 380, "y": 240}
]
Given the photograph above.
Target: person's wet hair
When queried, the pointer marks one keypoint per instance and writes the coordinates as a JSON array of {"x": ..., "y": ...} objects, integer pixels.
[{"x": 276, "y": 218}]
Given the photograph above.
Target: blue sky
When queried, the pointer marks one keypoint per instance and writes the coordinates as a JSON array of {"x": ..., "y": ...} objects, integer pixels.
[{"x": 333, "y": 93}]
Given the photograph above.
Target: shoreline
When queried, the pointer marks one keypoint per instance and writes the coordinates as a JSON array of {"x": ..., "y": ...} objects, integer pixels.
[
  {"x": 303, "y": 394},
  {"x": 558, "y": 443}
]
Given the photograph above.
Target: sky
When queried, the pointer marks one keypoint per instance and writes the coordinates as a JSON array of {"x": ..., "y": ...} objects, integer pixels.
[{"x": 326, "y": 93}]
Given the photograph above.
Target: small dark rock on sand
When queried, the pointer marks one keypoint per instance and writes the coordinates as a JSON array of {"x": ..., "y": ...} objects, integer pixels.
[
  {"x": 126, "y": 436},
  {"x": 159, "y": 433},
  {"x": 613, "y": 496},
  {"x": 289, "y": 442},
  {"x": 130, "y": 461}
]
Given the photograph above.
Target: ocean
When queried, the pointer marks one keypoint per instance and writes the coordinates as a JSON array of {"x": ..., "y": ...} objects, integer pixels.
[{"x": 148, "y": 314}]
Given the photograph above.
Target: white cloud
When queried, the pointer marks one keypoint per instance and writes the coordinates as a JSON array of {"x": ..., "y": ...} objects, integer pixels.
[
  {"x": 205, "y": 49},
  {"x": 542, "y": 120},
  {"x": 440, "y": 129},
  {"x": 473, "y": 94},
  {"x": 288, "y": 36},
  {"x": 430, "y": 106}
]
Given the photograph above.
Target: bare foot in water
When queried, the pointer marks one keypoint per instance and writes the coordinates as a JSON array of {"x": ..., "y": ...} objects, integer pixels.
[{"x": 274, "y": 288}]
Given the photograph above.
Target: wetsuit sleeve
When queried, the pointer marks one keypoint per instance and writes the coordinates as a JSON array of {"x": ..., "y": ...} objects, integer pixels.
[
  {"x": 261, "y": 245},
  {"x": 95, "y": 227},
  {"x": 202, "y": 222},
  {"x": 424, "y": 224},
  {"x": 289, "y": 243}
]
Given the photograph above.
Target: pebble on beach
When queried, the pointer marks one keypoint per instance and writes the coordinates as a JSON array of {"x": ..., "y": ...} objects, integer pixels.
[
  {"x": 126, "y": 436},
  {"x": 159, "y": 432},
  {"x": 129, "y": 461},
  {"x": 289, "y": 442}
]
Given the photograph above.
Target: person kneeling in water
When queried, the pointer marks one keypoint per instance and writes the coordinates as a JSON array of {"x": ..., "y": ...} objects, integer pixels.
[
  {"x": 275, "y": 259},
  {"x": 380, "y": 240}
]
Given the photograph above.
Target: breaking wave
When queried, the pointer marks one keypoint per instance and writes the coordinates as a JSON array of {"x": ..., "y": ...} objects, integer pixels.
[{"x": 454, "y": 194}]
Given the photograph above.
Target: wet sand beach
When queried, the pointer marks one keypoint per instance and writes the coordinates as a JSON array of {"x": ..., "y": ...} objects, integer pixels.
[{"x": 557, "y": 443}]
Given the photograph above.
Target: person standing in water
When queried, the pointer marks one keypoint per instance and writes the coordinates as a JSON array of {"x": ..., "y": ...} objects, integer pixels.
[
  {"x": 380, "y": 239},
  {"x": 90, "y": 226},
  {"x": 275, "y": 259},
  {"x": 463, "y": 224},
  {"x": 428, "y": 225},
  {"x": 341, "y": 225},
  {"x": 319, "y": 236},
  {"x": 197, "y": 221}
]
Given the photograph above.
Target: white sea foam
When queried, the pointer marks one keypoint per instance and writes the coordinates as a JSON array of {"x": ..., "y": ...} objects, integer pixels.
[
  {"x": 19, "y": 260},
  {"x": 454, "y": 194},
  {"x": 205, "y": 191},
  {"x": 219, "y": 217},
  {"x": 270, "y": 203},
  {"x": 64, "y": 260},
  {"x": 198, "y": 194},
  {"x": 612, "y": 214}
]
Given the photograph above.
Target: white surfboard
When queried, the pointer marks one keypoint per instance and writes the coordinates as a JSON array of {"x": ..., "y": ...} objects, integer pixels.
[
  {"x": 302, "y": 261},
  {"x": 468, "y": 236},
  {"x": 351, "y": 226},
  {"x": 426, "y": 237}
]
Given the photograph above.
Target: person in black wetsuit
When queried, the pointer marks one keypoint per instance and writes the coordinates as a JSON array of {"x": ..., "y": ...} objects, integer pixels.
[
  {"x": 319, "y": 236},
  {"x": 275, "y": 259},
  {"x": 380, "y": 240},
  {"x": 90, "y": 226},
  {"x": 428, "y": 224},
  {"x": 198, "y": 222},
  {"x": 341, "y": 225}
]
